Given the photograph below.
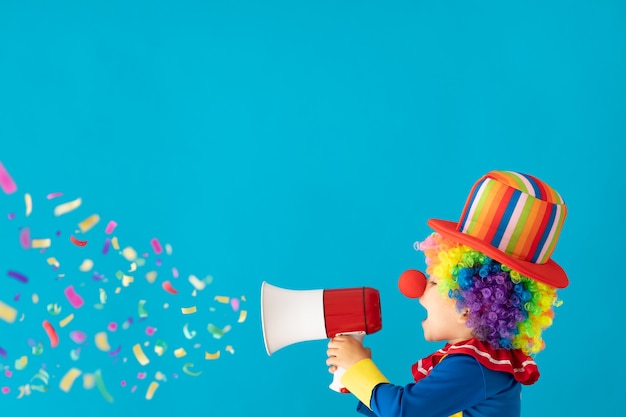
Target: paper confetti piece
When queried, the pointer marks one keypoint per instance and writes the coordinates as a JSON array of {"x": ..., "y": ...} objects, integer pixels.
[
  {"x": 216, "y": 331},
  {"x": 52, "y": 334},
  {"x": 188, "y": 334},
  {"x": 102, "y": 341},
  {"x": 53, "y": 261},
  {"x": 53, "y": 309},
  {"x": 110, "y": 227},
  {"x": 50, "y": 196},
  {"x": 143, "y": 313},
  {"x": 25, "y": 241},
  {"x": 7, "y": 313},
  {"x": 65, "y": 208},
  {"x": 167, "y": 286},
  {"x": 196, "y": 282},
  {"x": 68, "y": 379},
  {"x": 18, "y": 276},
  {"x": 78, "y": 336},
  {"x": 78, "y": 242},
  {"x": 40, "y": 243},
  {"x": 188, "y": 310},
  {"x": 180, "y": 352},
  {"x": 160, "y": 347},
  {"x": 75, "y": 300},
  {"x": 151, "y": 276},
  {"x": 230, "y": 349},
  {"x": 222, "y": 299},
  {"x": 86, "y": 265},
  {"x": 28, "y": 202},
  {"x": 186, "y": 369},
  {"x": 35, "y": 298},
  {"x": 211, "y": 356},
  {"x": 151, "y": 389},
  {"x": 89, "y": 223},
  {"x": 129, "y": 253},
  {"x": 66, "y": 320},
  {"x": 21, "y": 363},
  {"x": 6, "y": 182},
  {"x": 242, "y": 316},
  {"x": 102, "y": 387},
  {"x": 140, "y": 356},
  {"x": 156, "y": 246},
  {"x": 89, "y": 381}
]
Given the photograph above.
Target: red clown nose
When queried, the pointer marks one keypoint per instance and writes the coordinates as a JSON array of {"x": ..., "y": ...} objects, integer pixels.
[{"x": 412, "y": 283}]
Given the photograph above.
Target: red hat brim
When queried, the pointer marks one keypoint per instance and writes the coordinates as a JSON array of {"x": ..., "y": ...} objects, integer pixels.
[{"x": 549, "y": 273}]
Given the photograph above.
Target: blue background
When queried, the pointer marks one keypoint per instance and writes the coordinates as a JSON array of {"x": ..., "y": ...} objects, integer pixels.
[{"x": 306, "y": 144}]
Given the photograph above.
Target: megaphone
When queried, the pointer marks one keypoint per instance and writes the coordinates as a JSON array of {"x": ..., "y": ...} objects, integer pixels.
[{"x": 292, "y": 316}]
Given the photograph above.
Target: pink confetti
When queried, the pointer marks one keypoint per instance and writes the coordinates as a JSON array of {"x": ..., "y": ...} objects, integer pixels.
[
  {"x": 110, "y": 227},
  {"x": 167, "y": 286},
  {"x": 112, "y": 326},
  {"x": 234, "y": 303},
  {"x": 134, "y": 388},
  {"x": 6, "y": 182},
  {"x": 150, "y": 330},
  {"x": 25, "y": 241},
  {"x": 6, "y": 390},
  {"x": 77, "y": 336},
  {"x": 123, "y": 383},
  {"x": 75, "y": 300},
  {"x": 8, "y": 373},
  {"x": 141, "y": 375},
  {"x": 53, "y": 195},
  {"x": 175, "y": 272},
  {"x": 156, "y": 246}
]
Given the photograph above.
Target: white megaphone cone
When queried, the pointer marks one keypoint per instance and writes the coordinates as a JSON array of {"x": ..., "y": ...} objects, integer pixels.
[{"x": 292, "y": 316}]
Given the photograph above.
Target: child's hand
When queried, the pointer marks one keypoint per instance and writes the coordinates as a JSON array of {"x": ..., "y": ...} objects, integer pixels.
[{"x": 345, "y": 351}]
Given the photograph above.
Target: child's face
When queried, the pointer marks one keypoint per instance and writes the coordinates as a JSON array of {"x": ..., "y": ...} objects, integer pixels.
[{"x": 443, "y": 321}]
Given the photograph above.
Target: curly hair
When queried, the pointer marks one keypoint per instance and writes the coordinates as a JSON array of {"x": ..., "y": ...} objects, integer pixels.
[{"x": 506, "y": 309}]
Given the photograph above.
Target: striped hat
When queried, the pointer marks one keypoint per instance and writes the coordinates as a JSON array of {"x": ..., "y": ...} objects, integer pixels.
[{"x": 515, "y": 219}]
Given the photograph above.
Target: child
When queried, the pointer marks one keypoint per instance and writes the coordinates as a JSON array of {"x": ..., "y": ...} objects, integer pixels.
[{"x": 490, "y": 294}]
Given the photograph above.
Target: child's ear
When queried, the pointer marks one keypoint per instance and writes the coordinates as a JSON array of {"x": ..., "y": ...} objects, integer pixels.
[{"x": 464, "y": 315}]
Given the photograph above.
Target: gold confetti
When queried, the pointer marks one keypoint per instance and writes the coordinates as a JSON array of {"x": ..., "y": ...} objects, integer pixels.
[
  {"x": 140, "y": 356},
  {"x": 211, "y": 356},
  {"x": 188, "y": 310},
  {"x": 69, "y": 378},
  {"x": 40, "y": 243},
  {"x": 29, "y": 204},
  {"x": 242, "y": 316},
  {"x": 102, "y": 341},
  {"x": 180, "y": 352},
  {"x": 88, "y": 223},
  {"x": 151, "y": 389},
  {"x": 66, "y": 320},
  {"x": 7, "y": 313},
  {"x": 222, "y": 299},
  {"x": 86, "y": 265}
]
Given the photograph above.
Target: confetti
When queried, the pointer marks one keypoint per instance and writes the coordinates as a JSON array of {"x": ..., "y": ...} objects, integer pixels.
[
  {"x": 53, "y": 309},
  {"x": 6, "y": 182},
  {"x": 222, "y": 299},
  {"x": 66, "y": 320},
  {"x": 216, "y": 331},
  {"x": 151, "y": 389},
  {"x": 25, "y": 241},
  {"x": 52, "y": 334},
  {"x": 28, "y": 202},
  {"x": 156, "y": 246},
  {"x": 180, "y": 352},
  {"x": 110, "y": 227},
  {"x": 102, "y": 341},
  {"x": 21, "y": 363},
  {"x": 89, "y": 381},
  {"x": 40, "y": 243},
  {"x": 211, "y": 356},
  {"x": 75, "y": 300},
  {"x": 129, "y": 253},
  {"x": 89, "y": 223},
  {"x": 188, "y": 334},
  {"x": 188, "y": 310},
  {"x": 68, "y": 379},
  {"x": 141, "y": 309},
  {"x": 86, "y": 265},
  {"x": 53, "y": 195},
  {"x": 140, "y": 356},
  {"x": 7, "y": 313},
  {"x": 151, "y": 276},
  {"x": 18, "y": 276},
  {"x": 242, "y": 316},
  {"x": 53, "y": 261},
  {"x": 101, "y": 387},
  {"x": 160, "y": 347},
  {"x": 78, "y": 242},
  {"x": 65, "y": 208},
  {"x": 186, "y": 369},
  {"x": 78, "y": 336},
  {"x": 167, "y": 286}
]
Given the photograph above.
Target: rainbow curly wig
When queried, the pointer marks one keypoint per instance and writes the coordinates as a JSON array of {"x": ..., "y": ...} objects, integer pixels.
[{"x": 506, "y": 309}]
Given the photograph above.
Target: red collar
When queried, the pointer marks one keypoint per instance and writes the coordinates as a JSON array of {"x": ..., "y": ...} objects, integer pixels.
[{"x": 515, "y": 362}]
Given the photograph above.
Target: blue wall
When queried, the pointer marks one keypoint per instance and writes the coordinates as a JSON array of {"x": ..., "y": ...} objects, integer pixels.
[{"x": 304, "y": 144}]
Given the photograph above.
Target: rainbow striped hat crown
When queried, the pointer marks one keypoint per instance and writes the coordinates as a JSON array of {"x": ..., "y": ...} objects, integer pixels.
[{"x": 515, "y": 219}]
